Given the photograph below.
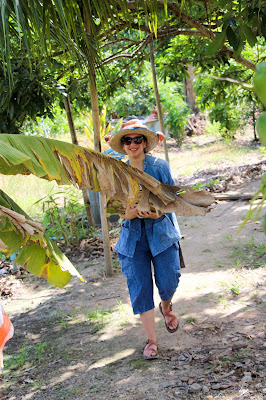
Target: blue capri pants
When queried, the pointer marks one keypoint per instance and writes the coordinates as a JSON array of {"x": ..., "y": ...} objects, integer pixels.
[{"x": 138, "y": 272}]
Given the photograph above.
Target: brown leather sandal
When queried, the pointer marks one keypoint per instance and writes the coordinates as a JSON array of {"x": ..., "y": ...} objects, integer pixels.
[
  {"x": 153, "y": 352},
  {"x": 171, "y": 315}
]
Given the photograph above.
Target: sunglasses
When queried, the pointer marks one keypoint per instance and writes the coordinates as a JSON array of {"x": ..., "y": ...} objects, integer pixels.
[{"x": 128, "y": 140}]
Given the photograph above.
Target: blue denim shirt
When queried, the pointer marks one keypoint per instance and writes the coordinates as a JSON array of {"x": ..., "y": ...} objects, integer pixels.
[{"x": 162, "y": 232}]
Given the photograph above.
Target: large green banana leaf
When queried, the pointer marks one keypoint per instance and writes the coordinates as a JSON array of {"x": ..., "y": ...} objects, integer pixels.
[
  {"x": 87, "y": 169},
  {"x": 36, "y": 252}
]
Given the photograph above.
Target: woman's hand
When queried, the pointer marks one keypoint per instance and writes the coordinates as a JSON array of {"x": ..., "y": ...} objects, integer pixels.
[
  {"x": 130, "y": 213},
  {"x": 135, "y": 213},
  {"x": 148, "y": 214}
]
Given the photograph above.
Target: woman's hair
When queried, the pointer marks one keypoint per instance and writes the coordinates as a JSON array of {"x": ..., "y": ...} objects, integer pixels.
[{"x": 146, "y": 141}]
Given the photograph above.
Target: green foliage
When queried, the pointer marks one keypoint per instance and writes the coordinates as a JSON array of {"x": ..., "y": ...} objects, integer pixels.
[
  {"x": 31, "y": 94},
  {"x": 64, "y": 216},
  {"x": 190, "y": 320},
  {"x": 18, "y": 360},
  {"x": 68, "y": 50},
  {"x": 2, "y": 256},
  {"x": 259, "y": 81},
  {"x": 206, "y": 185},
  {"x": 256, "y": 205},
  {"x": 32, "y": 354},
  {"x": 235, "y": 290},
  {"x": 182, "y": 51},
  {"x": 40, "y": 350},
  {"x": 36, "y": 252},
  {"x": 228, "y": 102},
  {"x": 176, "y": 110},
  {"x": 214, "y": 128},
  {"x": 136, "y": 98},
  {"x": 48, "y": 127},
  {"x": 60, "y": 26},
  {"x": 105, "y": 127},
  {"x": 261, "y": 128},
  {"x": 64, "y": 318},
  {"x": 97, "y": 317},
  {"x": 249, "y": 254},
  {"x": 228, "y": 116},
  {"x": 228, "y": 105},
  {"x": 26, "y": 190},
  {"x": 240, "y": 25}
]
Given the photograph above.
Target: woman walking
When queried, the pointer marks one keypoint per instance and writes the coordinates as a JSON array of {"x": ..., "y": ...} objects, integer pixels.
[{"x": 147, "y": 237}]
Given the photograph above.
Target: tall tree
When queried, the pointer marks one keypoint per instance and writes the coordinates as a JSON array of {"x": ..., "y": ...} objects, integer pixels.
[
  {"x": 222, "y": 30},
  {"x": 70, "y": 28},
  {"x": 97, "y": 147}
]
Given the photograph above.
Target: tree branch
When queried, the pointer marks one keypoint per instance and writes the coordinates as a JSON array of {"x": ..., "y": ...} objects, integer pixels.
[
  {"x": 117, "y": 40},
  {"x": 142, "y": 44},
  {"x": 219, "y": 78},
  {"x": 169, "y": 32},
  {"x": 205, "y": 32}
]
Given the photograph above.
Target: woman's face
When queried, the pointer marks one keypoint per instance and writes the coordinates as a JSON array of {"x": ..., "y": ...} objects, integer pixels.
[{"x": 134, "y": 149}]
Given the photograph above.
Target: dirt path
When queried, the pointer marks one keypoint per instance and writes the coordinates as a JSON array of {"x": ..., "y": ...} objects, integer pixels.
[{"x": 82, "y": 342}]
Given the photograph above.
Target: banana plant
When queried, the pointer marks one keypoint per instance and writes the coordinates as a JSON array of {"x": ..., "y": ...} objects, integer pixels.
[
  {"x": 255, "y": 209},
  {"x": 105, "y": 129}
]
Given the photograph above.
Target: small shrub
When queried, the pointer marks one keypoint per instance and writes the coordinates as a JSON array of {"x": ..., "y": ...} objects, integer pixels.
[
  {"x": 228, "y": 117},
  {"x": 235, "y": 290},
  {"x": 215, "y": 129},
  {"x": 65, "y": 221},
  {"x": 177, "y": 113},
  {"x": 190, "y": 320}
]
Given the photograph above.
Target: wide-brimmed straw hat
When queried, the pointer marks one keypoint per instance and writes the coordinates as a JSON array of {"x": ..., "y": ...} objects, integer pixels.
[{"x": 137, "y": 127}]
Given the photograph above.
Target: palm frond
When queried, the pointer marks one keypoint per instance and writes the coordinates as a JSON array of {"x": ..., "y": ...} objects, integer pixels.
[
  {"x": 62, "y": 24},
  {"x": 87, "y": 169}
]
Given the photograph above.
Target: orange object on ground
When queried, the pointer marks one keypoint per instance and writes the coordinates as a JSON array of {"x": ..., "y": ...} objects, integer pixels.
[{"x": 6, "y": 332}]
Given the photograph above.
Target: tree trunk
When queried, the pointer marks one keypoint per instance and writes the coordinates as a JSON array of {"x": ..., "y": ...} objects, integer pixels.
[
  {"x": 254, "y": 122},
  {"x": 70, "y": 120},
  {"x": 235, "y": 196},
  {"x": 75, "y": 141},
  {"x": 88, "y": 207},
  {"x": 97, "y": 147},
  {"x": 190, "y": 96},
  {"x": 157, "y": 97}
]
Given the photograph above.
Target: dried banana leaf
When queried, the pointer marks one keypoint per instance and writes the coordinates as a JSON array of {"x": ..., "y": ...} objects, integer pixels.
[{"x": 87, "y": 169}]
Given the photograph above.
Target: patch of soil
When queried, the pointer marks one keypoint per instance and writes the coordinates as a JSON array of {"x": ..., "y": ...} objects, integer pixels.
[
  {"x": 83, "y": 342},
  {"x": 225, "y": 178}
]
